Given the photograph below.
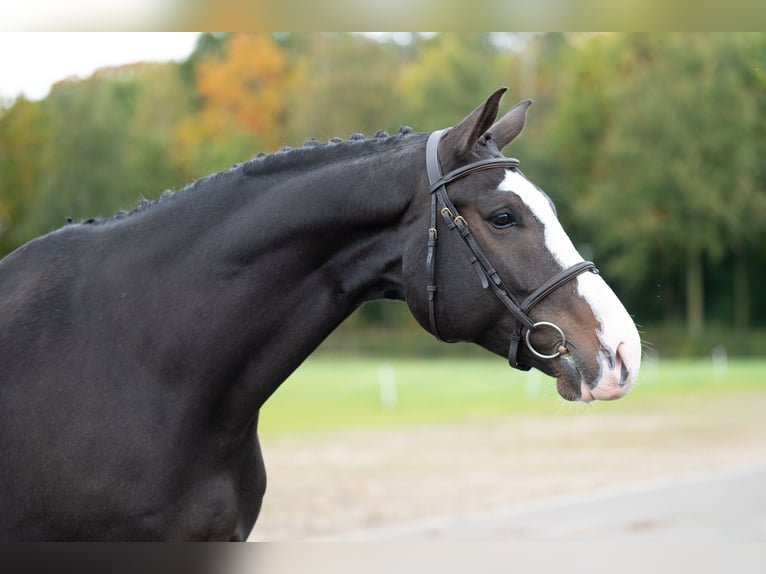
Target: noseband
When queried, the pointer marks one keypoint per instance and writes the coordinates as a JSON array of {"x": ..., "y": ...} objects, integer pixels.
[{"x": 486, "y": 272}]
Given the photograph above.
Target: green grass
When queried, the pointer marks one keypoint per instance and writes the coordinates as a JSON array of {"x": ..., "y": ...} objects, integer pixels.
[{"x": 332, "y": 393}]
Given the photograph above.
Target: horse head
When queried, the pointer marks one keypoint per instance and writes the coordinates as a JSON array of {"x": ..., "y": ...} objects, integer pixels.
[{"x": 532, "y": 297}]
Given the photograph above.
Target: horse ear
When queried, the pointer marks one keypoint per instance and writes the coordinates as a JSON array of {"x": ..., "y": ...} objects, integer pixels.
[
  {"x": 510, "y": 125},
  {"x": 461, "y": 139}
]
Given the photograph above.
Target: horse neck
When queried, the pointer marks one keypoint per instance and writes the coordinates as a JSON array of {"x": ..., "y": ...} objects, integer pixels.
[
  {"x": 336, "y": 225},
  {"x": 275, "y": 261}
]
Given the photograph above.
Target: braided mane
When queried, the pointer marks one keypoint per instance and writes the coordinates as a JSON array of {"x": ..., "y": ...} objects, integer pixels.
[{"x": 312, "y": 151}]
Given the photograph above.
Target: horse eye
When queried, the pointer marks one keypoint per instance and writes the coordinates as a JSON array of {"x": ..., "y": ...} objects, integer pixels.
[{"x": 502, "y": 220}]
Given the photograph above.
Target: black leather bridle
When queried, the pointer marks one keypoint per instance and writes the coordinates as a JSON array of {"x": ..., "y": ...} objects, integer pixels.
[{"x": 486, "y": 272}]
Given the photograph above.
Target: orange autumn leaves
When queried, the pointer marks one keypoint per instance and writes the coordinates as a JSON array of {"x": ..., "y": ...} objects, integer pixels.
[
  {"x": 241, "y": 102},
  {"x": 245, "y": 86}
]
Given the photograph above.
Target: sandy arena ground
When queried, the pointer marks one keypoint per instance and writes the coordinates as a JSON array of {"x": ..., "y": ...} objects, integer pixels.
[{"x": 338, "y": 485}]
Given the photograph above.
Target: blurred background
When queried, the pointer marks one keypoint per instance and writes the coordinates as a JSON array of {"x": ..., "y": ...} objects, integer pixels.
[{"x": 651, "y": 145}]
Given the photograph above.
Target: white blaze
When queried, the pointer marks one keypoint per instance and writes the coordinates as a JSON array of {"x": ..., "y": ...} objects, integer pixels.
[
  {"x": 556, "y": 239},
  {"x": 617, "y": 328}
]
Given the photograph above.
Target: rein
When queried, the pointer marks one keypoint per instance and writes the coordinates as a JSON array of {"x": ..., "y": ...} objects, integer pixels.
[{"x": 487, "y": 274}]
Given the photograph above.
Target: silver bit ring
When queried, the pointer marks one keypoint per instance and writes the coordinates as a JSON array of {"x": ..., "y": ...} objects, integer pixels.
[{"x": 553, "y": 326}]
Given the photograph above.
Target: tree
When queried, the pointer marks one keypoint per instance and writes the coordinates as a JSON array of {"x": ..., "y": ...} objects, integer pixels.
[
  {"x": 83, "y": 157},
  {"x": 162, "y": 102},
  {"x": 91, "y": 148},
  {"x": 240, "y": 86},
  {"x": 675, "y": 185},
  {"x": 246, "y": 84},
  {"x": 342, "y": 84},
  {"x": 23, "y": 134},
  {"x": 450, "y": 73}
]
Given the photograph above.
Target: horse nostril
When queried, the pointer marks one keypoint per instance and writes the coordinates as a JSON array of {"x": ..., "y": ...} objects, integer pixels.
[
  {"x": 624, "y": 372},
  {"x": 624, "y": 375}
]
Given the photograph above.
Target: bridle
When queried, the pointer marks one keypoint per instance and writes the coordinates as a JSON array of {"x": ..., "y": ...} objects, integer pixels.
[{"x": 487, "y": 274}]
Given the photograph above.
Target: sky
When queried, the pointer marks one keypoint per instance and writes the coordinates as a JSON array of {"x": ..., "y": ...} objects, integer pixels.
[{"x": 33, "y": 61}]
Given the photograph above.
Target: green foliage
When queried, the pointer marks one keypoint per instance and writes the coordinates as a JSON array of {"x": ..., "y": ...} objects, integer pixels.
[
  {"x": 661, "y": 136},
  {"x": 341, "y": 84},
  {"x": 686, "y": 153},
  {"x": 23, "y": 134},
  {"x": 85, "y": 150},
  {"x": 447, "y": 72},
  {"x": 99, "y": 146}
]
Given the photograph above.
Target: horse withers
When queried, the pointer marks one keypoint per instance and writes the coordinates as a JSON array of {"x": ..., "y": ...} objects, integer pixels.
[{"x": 136, "y": 352}]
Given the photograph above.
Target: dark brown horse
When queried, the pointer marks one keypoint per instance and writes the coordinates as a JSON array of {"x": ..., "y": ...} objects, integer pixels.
[{"x": 135, "y": 353}]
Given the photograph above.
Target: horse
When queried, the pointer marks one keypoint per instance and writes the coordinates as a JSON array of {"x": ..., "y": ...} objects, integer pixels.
[{"x": 138, "y": 350}]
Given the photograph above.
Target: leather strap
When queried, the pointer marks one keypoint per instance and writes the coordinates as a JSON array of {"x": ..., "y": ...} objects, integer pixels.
[
  {"x": 555, "y": 282},
  {"x": 434, "y": 173}
]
